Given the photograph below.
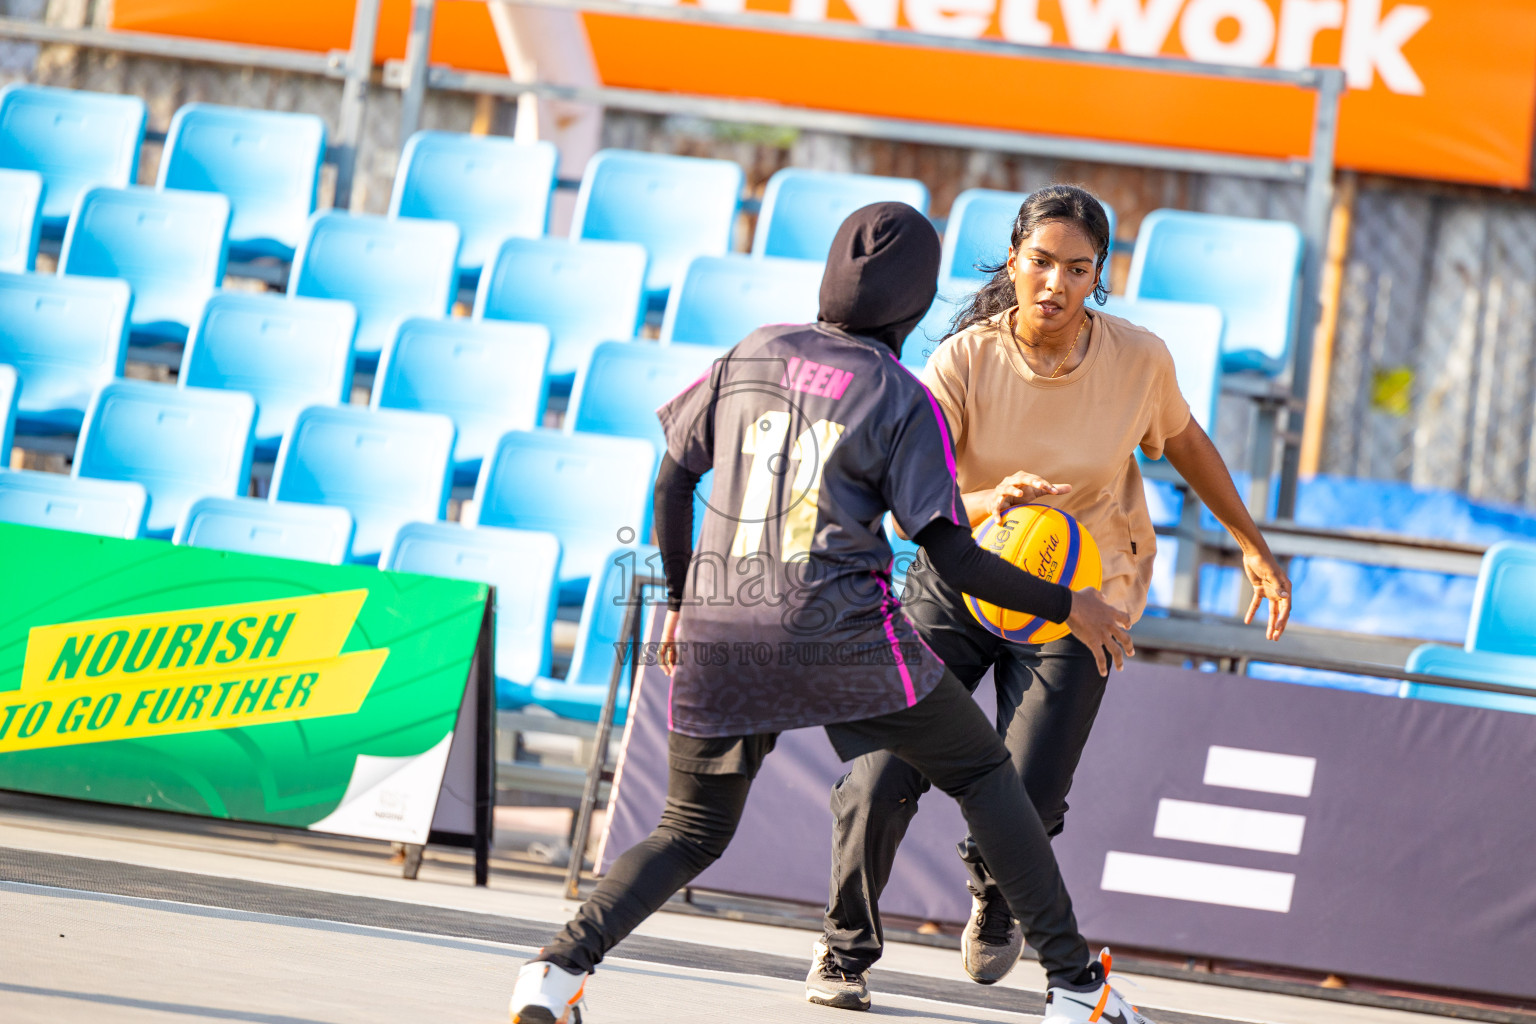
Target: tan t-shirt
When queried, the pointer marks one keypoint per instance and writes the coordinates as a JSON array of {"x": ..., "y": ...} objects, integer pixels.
[{"x": 1081, "y": 428}]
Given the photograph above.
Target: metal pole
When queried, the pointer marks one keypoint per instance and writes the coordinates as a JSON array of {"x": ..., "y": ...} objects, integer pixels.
[
  {"x": 417, "y": 46},
  {"x": 1315, "y": 227},
  {"x": 631, "y": 634},
  {"x": 354, "y": 97}
]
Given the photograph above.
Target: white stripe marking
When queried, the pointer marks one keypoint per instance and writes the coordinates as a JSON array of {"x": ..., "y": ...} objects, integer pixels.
[
  {"x": 1260, "y": 771},
  {"x": 1238, "y": 827},
  {"x": 1197, "y": 882}
]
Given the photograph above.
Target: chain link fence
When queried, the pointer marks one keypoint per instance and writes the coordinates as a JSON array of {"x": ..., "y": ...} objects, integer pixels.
[{"x": 1433, "y": 375}]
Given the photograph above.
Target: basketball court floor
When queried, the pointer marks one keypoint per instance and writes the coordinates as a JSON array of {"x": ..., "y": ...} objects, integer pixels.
[{"x": 107, "y": 919}]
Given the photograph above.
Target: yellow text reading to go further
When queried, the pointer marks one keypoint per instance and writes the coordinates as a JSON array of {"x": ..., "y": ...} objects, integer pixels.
[{"x": 197, "y": 669}]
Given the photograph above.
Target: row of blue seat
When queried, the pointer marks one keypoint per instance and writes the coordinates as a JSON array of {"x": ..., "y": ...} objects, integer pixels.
[
  {"x": 267, "y": 164},
  {"x": 675, "y": 208},
  {"x": 1501, "y": 637},
  {"x": 385, "y": 466},
  {"x": 523, "y": 566},
  {"x": 65, "y": 338}
]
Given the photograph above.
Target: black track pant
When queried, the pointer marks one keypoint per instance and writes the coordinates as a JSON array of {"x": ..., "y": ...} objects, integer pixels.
[
  {"x": 1047, "y": 699},
  {"x": 945, "y": 736}
]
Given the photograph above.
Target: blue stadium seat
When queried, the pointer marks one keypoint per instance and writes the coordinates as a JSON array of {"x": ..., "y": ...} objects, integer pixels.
[
  {"x": 490, "y": 186},
  {"x": 522, "y": 565},
  {"x": 267, "y": 163},
  {"x": 1504, "y": 607},
  {"x": 180, "y": 443},
  {"x": 169, "y": 246},
  {"x": 10, "y": 387},
  {"x": 584, "y": 292},
  {"x": 21, "y": 221},
  {"x": 384, "y": 466},
  {"x": 66, "y": 337},
  {"x": 678, "y": 207},
  {"x": 1192, "y": 332},
  {"x": 111, "y": 508},
  {"x": 722, "y": 299},
  {"x": 580, "y": 695},
  {"x": 803, "y": 209},
  {"x": 933, "y": 328},
  {"x": 288, "y": 353},
  {"x": 281, "y": 529},
  {"x": 980, "y": 230},
  {"x": 590, "y": 491},
  {"x": 390, "y": 268},
  {"x": 624, "y": 384},
  {"x": 1477, "y": 666},
  {"x": 74, "y": 139},
  {"x": 485, "y": 375},
  {"x": 1250, "y": 269}
]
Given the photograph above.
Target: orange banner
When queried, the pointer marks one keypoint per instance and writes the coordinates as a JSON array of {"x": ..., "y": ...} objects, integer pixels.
[{"x": 1441, "y": 89}]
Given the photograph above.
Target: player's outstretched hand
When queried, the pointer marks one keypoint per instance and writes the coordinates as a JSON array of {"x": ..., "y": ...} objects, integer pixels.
[
  {"x": 666, "y": 654},
  {"x": 1102, "y": 626},
  {"x": 1269, "y": 583},
  {"x": 1020, "y": 489}
]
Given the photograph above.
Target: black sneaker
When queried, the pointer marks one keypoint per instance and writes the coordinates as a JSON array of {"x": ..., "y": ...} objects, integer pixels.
[
  {"x": 829, "y": 985},
  {"x": 992, "y": 940}
]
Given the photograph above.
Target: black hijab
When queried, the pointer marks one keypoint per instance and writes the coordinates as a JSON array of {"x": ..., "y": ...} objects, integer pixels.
[{"x": 882, "y": 273}]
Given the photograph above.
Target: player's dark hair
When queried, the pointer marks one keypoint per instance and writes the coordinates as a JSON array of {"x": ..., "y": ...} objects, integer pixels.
[{"x": 1054, "y": 202}]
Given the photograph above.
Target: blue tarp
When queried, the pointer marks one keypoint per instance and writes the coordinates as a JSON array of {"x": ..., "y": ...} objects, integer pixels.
[{"x": 1348, "y": 596}]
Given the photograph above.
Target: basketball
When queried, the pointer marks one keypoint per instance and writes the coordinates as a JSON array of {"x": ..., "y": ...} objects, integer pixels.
[{"x": 1045, "y": 542}]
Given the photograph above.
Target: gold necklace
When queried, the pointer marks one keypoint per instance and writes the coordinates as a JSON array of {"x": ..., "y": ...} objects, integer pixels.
[
  {"x": 1075, "y": 339},
  {"x": 1013, "y": 327}
]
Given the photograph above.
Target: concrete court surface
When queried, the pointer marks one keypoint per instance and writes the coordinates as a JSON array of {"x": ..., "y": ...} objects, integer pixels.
[{"x": 109, "y": 921}]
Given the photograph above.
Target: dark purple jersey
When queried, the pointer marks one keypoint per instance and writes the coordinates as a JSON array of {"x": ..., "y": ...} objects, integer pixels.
[{"x": 788, "y": 618}]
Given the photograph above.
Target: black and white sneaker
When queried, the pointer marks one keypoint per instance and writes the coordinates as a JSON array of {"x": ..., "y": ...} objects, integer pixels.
[
  {"x": 1099, "y": 1005},
  {"x": 992, "y": 940},
  {"x": 827, "y": 984},
  {"x": 547, "y": 994}
]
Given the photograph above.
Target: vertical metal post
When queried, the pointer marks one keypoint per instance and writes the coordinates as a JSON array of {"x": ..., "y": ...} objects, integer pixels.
[
  {"x": 354, "y": 97},
  {"x": 1191, "y": 555},
  {"x": 1319, "y": 209},
  {"x": 417, "y": 46},
  {"x": 633, "y": 619},
  {"x": 485, "y": 741}
]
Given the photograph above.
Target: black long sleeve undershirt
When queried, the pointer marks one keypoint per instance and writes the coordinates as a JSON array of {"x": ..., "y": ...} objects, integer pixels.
[
  {"x": 970, "y": 570},
  {"x": 952, "y": 552},
  {"x": 673, "y": 511}
]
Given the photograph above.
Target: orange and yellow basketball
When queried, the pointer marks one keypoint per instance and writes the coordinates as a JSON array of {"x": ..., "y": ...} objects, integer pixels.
[{"x": 1045, "y": 542}]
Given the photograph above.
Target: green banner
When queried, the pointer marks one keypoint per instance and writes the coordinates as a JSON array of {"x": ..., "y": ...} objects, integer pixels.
[{"x": 228, "y": 685}]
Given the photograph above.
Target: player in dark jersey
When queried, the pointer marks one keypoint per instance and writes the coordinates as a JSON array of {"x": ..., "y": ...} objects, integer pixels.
[{"x": 814, "y": 432}]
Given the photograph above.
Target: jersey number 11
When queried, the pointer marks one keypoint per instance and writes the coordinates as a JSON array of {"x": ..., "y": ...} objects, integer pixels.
[{"x": 765, "y": 443}]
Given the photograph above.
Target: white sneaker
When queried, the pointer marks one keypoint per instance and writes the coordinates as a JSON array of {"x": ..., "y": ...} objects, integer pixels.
[
  {"x": 830, "y": 985},
  {"x": 1064, "y": 1006},
  {"x": 547, "y": 994},
  {"x": 992, "y": 940}
]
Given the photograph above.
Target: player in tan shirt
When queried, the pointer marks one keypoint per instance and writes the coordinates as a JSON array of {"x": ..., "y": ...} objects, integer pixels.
[{"x": 1046, "y": 401}]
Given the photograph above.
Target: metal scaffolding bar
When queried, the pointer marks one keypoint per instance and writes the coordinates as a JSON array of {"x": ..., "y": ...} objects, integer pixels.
[
  {"x": 417, "y": 47},
  {"x": 1315, "y": 228},
  {"x": 354, "y": 99},
  {"x": 142, "y": 44}
]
